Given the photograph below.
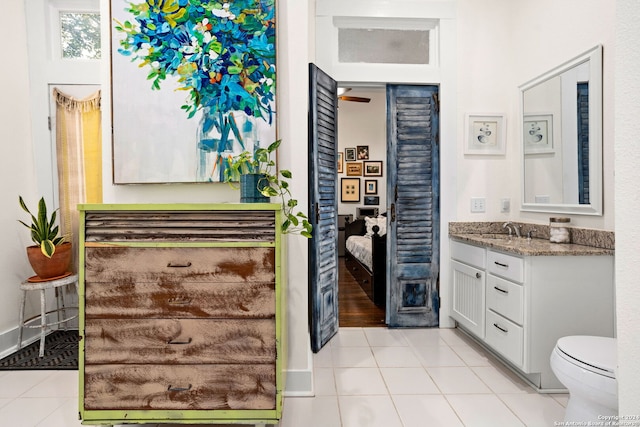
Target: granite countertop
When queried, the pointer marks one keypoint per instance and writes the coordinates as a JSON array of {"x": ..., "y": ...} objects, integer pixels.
[{"x": 531, "y": 247}]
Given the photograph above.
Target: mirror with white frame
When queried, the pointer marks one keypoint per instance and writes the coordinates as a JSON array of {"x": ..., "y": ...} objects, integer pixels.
[{"x": 562, "y": 138}]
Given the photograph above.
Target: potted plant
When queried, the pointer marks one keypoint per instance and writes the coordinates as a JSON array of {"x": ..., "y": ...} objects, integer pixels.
[
  {"x": 256, "y": 174},
  {"x": 51, "y": 256}
]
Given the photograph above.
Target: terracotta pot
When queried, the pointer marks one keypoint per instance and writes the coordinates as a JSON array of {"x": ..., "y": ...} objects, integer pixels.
[{"x": 55, "y": 266}]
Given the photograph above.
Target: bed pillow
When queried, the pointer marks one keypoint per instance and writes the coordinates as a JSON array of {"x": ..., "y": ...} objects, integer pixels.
[{"x": 380, "y": 222}]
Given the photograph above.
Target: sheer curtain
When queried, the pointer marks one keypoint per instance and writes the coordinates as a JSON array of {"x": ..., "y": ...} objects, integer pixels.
[{"x": 79, "y": 158}]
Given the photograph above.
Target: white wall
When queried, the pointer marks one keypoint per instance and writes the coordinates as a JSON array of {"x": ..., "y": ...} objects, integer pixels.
[
  {"x": 627, "y": 223},
  {"x": 17, "y": 166},
  {"x": 526, "y": 39},
  {"x": 362, "y": 123}
]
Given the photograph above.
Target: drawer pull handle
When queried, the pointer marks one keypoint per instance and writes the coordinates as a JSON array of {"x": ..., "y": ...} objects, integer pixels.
[
  {"x": 500, "y": 290},
  {"x": 478, "y": 275},
  {"x": 178, "y": 301},
  {"x": 501, "y": 264},
  {"x": 501, "y": 328},
  {"x": 180, "y": 342},
  {"x": 179, "y": 264},
  {"x": 170, "y": 388}
]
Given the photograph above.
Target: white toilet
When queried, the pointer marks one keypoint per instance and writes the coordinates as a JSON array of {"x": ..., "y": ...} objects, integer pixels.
[{"x": 586, "y": 366}]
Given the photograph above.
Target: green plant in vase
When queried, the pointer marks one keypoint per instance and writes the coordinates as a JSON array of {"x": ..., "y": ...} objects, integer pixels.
[
  {"x": 270, "y": 183},
  {"x": 51, "y": 255}
]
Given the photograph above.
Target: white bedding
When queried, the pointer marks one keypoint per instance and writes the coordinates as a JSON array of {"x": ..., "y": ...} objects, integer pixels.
[{"x": 360, "y": 248}]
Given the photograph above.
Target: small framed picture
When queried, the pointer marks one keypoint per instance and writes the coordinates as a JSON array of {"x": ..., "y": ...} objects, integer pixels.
[
  {"x": 362, "y": 152},
  {"x": 538, "y": 133},
  {"x": 354, "y": 169},
  {"x": 373, "y": 168},
  {"x": 350, "y": 154},
  {"x": 371, "y": 186},
  {"x": 340, "y": 162},
  {"x": 484, "y": 134},
  {"x": 371, "y": 200},
  {"x": 350, "y": 189}
]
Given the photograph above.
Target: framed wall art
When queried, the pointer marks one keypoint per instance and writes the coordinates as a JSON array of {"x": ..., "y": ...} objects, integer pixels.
[
  {"x": 350, "y": 189},
  {"x": 371, "y": 200},
  {"x": 538, "y": 133},
  {"x": 354, "y": 168},
  {"x": 370, "y": 186},
  {"x": 350, "y": 154},
  {"x": 484, "y": 134},
  {"x": 183, "y": 107},
  {"x": 373, "y": 168},
  {"x": 362, "y": 152},
  {"x": 340, "y": 162}
]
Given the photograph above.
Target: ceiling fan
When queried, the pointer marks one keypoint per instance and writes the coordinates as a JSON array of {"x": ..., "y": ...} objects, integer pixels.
[{"x": 343, "y": 97}]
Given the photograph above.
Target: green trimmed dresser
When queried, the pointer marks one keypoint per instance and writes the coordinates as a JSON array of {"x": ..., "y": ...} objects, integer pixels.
[{"x": 181, "y": 314}]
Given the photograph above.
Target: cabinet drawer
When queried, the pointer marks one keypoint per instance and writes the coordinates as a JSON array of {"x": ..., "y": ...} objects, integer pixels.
[
  {"x": 505, "y": 298},
  {"x": 504, "y": 265},
  {"x": 180, "y": 264},
  {"x": 179, "y": 341},
  {"x": 145, "y": 300},
  {"x": 505, "y": 337},
  {"x": 146, "y": 387},
  {"x": 469, "y": 254}
]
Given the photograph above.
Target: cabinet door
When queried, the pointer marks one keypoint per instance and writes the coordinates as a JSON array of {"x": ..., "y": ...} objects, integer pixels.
[{"x": 468, "y": 298}]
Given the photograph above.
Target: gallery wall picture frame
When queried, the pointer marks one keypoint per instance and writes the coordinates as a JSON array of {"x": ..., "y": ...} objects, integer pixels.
[
  {"x": 354, "y": 168},
  {"x": 485, "y": 134},
  {"x": 373, "y": 168},
  {"x": 340, "y": 162},
  {"x": 350, "y": 190},
  {"x": 371, "y": 200},
  {"x": 538, "y": 133},
  {"x": 371, "y": 186},
  {"x": 362, "y": 152},
  {"x": 350, "y": 154}
]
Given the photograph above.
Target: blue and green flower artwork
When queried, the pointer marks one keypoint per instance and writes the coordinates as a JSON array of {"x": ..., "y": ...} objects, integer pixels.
[{"x": 193, "y": 82}]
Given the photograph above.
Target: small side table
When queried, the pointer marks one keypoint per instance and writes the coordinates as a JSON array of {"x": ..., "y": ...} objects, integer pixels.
[{"x": 42, "y": 285}]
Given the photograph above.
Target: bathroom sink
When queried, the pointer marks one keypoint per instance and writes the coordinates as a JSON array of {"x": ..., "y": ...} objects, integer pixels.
[{"x": 496, "y": 236}]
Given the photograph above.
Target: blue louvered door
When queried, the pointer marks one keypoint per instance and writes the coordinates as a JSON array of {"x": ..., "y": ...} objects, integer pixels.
[
  {"x": 413, "y": 198},
  {"x": 323, "y": 207}
]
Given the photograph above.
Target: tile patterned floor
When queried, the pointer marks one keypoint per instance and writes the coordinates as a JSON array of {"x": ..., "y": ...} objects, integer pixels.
[{"x": 365, "y": 377}]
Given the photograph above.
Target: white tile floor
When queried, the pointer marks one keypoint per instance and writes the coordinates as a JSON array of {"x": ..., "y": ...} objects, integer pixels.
[{"x": 365, "y": 377}]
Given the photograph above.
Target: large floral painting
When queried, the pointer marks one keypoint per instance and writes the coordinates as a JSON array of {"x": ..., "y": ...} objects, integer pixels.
[{"x": 193, "y": 83}]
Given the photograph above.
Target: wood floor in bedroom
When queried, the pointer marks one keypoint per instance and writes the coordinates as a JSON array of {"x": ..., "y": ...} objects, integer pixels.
[{"x": 355, "y": 309}]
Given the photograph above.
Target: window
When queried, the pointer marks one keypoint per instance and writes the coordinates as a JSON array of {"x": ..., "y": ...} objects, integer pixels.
[
  {"x": 383, "y": 46},
  {"x": 80, "y": 35},
  {"x": 401, "y": 41}
]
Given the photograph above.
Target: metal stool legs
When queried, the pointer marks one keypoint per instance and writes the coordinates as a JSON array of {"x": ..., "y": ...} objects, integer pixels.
[{"x": 60, "y": 307}]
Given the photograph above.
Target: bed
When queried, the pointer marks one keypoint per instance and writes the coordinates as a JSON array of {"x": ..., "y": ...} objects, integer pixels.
[{"x": 366, "y": 256}]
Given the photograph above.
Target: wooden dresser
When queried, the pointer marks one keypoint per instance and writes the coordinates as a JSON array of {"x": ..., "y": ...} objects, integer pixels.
[{"x": 181, "y": 314}]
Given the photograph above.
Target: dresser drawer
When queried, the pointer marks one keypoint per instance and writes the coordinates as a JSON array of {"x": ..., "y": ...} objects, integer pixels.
[
  {"x": 469, "y": 254},
  {"x": 179, "y": 387},
  {"x": 191, "y": 300},
  {"x": 505, "y": 337},
  {"x": 504, "y": 265},
  {"x": 505, "y": 298},
  {"x": 180, "y": 264},
  {"x": 179, "y": 341}
]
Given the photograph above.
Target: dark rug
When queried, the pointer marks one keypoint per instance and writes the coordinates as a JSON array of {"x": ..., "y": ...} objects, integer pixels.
[{"x": 60, "y": 352}]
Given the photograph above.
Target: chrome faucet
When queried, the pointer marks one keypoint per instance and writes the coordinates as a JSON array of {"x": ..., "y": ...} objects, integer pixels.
[{"x": 509, "y": 226}]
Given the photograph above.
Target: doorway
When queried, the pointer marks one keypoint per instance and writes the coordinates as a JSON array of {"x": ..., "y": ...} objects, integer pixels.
[
  {"x": 362, "y": 117},
  {"x": 411, "y": 251}
]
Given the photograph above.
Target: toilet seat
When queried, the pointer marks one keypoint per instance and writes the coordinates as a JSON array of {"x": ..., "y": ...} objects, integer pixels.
[{"x": 594, "y": 354}]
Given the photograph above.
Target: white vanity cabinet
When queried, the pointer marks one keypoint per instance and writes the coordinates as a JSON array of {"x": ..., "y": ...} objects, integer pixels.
[
  {"x": 468, "y": 291},
  {"x": 530, "y": 301}
]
